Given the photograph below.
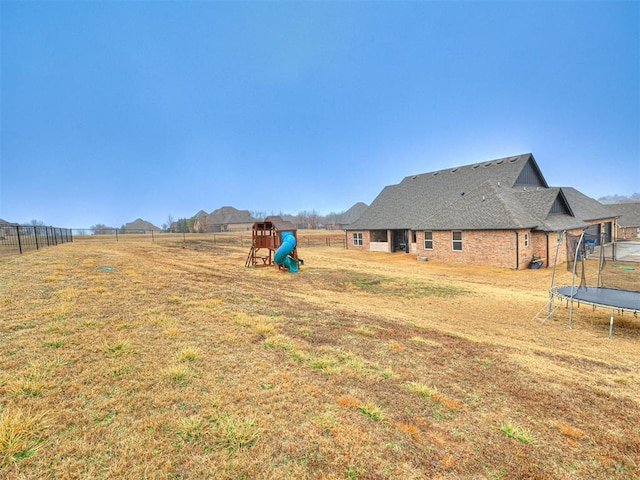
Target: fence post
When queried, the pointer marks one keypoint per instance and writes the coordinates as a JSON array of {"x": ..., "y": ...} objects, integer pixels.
[
  {"x": 151, "y": 236},
  {"x": 116, "y": 234},
  {"x": 35, "y": 234},
  {"x": 18, "y": 235}
]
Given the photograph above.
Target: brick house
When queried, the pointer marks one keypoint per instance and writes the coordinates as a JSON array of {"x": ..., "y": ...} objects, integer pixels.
[
  {"x": 496, "y": 213},
  {"x": 224, "y": 219},
  {"x": 341, "y": 221}
]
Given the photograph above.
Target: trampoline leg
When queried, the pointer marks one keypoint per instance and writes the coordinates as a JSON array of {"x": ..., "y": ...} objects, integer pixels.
[
  {"x": 571, "y": 315},
  {"x": 611, "y": 324}
]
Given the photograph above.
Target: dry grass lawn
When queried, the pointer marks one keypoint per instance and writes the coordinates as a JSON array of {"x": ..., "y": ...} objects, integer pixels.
[{"x": 140, "y": 359}]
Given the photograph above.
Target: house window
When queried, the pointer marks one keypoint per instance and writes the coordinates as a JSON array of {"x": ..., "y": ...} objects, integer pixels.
[
  {"x": 357, "y": 239},
  {"x": 414, "y": 236},
  {"x": 456, "y": 241},
  {"x": 526, "y": 239},
  {"x": 428, "y": 240}
]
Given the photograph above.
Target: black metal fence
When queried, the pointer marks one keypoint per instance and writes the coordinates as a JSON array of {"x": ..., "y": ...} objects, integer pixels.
[{"x": 19, "y": 238}]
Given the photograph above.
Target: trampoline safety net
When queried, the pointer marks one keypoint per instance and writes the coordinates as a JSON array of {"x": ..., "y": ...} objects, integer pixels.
[{"x": 596, "y": 264}]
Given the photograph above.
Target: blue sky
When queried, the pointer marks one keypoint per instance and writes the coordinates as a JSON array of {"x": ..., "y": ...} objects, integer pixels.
[{"x": 114, "y": 110}]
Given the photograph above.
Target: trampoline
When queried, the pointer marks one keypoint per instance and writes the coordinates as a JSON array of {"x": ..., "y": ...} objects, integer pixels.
[
  {"x": 616, "y": 299},
  {"x": 613, "y": 298}
]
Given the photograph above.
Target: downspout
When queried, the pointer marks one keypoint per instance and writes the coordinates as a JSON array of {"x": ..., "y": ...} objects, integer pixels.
[
  {"x": 517, "y": 251},
  {"x": 547, "y": 235}
]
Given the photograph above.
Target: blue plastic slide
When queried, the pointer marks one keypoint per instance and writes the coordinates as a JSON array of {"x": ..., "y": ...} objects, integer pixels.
[{"x": 281, "y": 257}]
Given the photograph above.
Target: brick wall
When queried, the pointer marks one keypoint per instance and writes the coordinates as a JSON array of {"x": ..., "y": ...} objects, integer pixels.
[
  {"x": 496, "y": 248},
  {"x": 627, "y": 233},
  {"x": 366, "y": 240},
  {"x": 479, "y": 247}
]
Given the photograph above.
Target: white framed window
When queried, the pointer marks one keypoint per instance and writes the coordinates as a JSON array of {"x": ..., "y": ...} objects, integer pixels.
[
  {"x": 428, "y": 240},
  {"x": 357, "y": 239},
  {"x": 456, "y": 240},
  {"x": 526, "y": 239}
]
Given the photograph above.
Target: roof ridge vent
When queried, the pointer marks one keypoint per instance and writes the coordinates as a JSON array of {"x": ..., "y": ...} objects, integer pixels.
[
  {"x": 513, "y": 159},
  {"x": 475, "y": 166},
  {"x": 488, "y": 164},
  {"x": 454, "y": 170},
  {"x": 435, "y": 173},
  {"x": 499, "y": 162}
]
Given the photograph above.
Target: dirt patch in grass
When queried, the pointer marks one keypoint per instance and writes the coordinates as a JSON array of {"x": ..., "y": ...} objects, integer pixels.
[{"x": 144, "y": 359}]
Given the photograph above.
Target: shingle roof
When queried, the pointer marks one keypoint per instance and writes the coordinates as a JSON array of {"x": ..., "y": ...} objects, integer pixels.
[
  {"x": 229, "y": 215},
  {"x": 486, "y": 207},
  {"x": 140, "y": 224},
  {"x": 280, "y": 224},
  {"x": 629, "y": 213},
  {"x": 585, "y": 207},
  {"x": 352, "y": 214},
  {"x": 507, "y": 193}
]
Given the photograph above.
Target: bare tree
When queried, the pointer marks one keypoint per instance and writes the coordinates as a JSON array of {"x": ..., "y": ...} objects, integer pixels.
[
  {"x": 301, "y": 219},
  {"x": 167, "y": 225},
  {"x": 258, "y": 214},
  {"x": 313, "y": 219},
  {"x": 100, "y": 229}
]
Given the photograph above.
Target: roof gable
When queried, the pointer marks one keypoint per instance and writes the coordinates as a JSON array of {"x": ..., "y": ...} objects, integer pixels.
[{"x": 550, "y": 209}]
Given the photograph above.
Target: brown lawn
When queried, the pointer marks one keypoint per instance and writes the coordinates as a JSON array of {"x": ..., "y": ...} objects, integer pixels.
[{"x": 180, "y": 363}]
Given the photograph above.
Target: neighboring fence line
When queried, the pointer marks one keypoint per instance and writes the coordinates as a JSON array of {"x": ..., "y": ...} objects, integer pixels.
[
  {"x": 27, "y": 237},
  {"x": 222, "y": 238}
]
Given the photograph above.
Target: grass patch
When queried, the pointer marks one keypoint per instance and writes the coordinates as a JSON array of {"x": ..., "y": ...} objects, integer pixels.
[
  {"x": 235, "y": 434},
  {"x": 371, "y": 410},
  {"x": 420, "y": 388},
  {"x": 279, "y": 341},
  {"x": 33, "y": 383},
  {"x": 178, "y": 373},
  {"x": 516, "y": 432},
  {"x": 188, "y": 354},
  {"x": 115, "y": 348},
  {"x": 192, "y": 429},
  {"x": 395, "y": 287},
  {"x": 21, "y": 434}
]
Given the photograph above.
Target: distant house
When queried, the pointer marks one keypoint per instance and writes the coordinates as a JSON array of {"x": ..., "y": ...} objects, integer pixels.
[
  {"x": 343, "y": 220},
  {"x": 628, "y": 222},
  {"x": 224, "y": 219},
  {"x": 139, "y": 226},
  {"x": 496, "y": 213}
]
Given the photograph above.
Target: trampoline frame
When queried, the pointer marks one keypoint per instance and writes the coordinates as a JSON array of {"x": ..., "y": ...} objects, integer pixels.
[{"x": 589, "y": 295}]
